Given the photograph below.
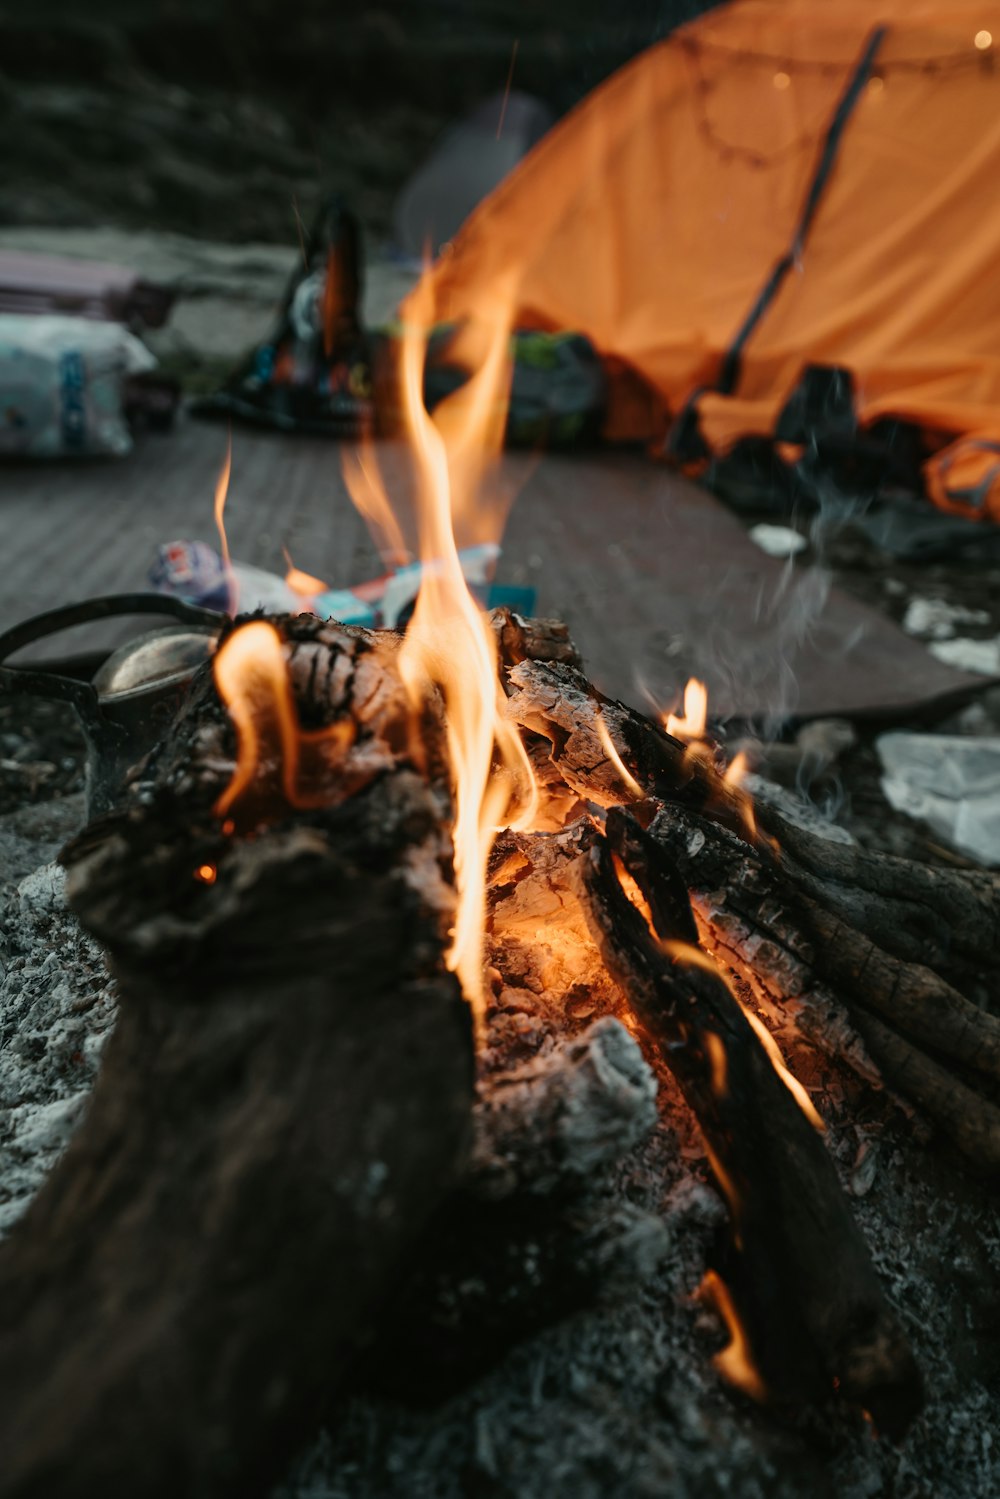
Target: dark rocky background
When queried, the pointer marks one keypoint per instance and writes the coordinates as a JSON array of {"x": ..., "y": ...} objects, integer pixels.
[{"x": 208, "y": 117}]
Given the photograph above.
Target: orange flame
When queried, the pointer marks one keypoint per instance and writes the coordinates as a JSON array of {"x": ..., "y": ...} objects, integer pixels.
[
  {"x": 367, "y": 489},
  {"x": 691, "y": 724},
  {"x": 734, "y": 1362},
  {"x": 685, "y": 952},
  {"x": 449, "y": 644},
  {"x": 304, "y": 584},
  {"x": 251, "y": 675},
  {"x": 690, "y": 728},
  {"x": 736, "y": 773},
  {"x": 221, "y": 494},
  {"x": 608, "y": 745}
]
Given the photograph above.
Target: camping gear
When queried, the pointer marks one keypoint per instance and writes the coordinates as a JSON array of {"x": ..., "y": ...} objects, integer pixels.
[
  {"x": 47, "y": 284},
  {"x": 658, "y": 579},
  {"x": 128, "y": 702},
  {"x": 64, "y": 386},
  {"x": 313, "y": 374},
  {"x": 193, "y": 571},
  {"x": 778, "y": 185},
  {"x": 965, "y": 477},
  {"x": 558, "y": 388},
  {"x": 467, "y": 164}
]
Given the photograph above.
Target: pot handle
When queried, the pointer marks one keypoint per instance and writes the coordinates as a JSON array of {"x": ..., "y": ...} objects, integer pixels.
[{"x": 37, "y": 682}]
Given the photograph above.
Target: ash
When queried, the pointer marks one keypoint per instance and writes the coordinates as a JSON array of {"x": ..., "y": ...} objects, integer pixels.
[{"x": 550, "y": 1342}]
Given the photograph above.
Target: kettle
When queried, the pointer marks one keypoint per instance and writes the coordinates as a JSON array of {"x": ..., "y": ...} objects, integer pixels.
[{"x": 126, "y": 706}]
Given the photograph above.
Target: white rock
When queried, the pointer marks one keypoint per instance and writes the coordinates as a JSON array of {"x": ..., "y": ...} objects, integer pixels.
[
  {"x": 951, "y": 783},
  {"x": 777, "y": 541},
  {"x": 935, "y": 619},
  {"x": 982, "y": 656}
]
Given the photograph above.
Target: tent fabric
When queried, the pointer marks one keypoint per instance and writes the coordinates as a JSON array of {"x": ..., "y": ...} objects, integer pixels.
[{"x": 651, "y": 218}]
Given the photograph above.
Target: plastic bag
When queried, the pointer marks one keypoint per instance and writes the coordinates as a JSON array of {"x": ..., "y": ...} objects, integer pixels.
[{"x": 62, "y": 385}]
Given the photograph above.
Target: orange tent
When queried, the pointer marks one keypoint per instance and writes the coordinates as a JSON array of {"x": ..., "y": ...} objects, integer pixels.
[{"x": 780, "y": 184}]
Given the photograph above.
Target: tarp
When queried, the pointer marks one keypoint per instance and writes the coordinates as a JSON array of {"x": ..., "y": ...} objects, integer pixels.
[{"x": 817, "y": 179}]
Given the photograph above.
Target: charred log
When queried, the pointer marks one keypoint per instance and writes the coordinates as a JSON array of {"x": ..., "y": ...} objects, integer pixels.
[
  {"x": 799, "y": 1272},
  {"x": 926, "y": 1016},
  {"x": 917, "y": 913},
  {"x": 283, "y": 1104}
]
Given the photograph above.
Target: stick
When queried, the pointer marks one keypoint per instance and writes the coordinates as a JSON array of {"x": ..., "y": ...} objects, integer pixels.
[{"x": 801, "y": 1276}]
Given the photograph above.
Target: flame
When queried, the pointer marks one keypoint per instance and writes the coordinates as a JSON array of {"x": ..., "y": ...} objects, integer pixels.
[
  {"x": 632, "y": 891},
  {"x": 691, "y": 724},
  {"x": 718, "y": 1061},
  {"x": 304, "y": 584},
  {"x": 251, "y": 675},
  {"x": 607, "y": 744},
  {"x": 686, "y": 952},
  {"x": 690, "y": 728},
  {"x": 734, "y": 1362},
  {"x": 780, "y": 1066},
  {"x": 367, "y": 489},
  {"x": 735, "y": 775},
  {"x": 449, "y": 644},
  {"x": 221, "y": 494}
]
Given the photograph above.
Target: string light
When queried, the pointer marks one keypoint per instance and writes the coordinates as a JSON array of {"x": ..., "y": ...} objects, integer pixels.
[{"x": 700, "y": 51}]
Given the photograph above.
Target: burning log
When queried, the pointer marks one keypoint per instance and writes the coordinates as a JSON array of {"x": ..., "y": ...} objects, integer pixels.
[
  {"x": 855, "y": 917},
  {"x": 289, "y": 1091},
  {"x": 285, "y": 1100},
  {"x": 903, "y": 1011},
  {"x": 800, "y": 1273}
]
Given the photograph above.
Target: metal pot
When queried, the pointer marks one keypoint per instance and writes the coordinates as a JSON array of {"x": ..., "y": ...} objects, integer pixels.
[{"x": 125, "y": 707}]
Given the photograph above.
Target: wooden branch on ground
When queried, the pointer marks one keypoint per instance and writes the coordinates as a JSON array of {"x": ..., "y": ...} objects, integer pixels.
[
  {"x": 917, "y": 913},
  {"x": 284, "y": 1102},
  {"x": 800, "y": 1275},
  {"x": 876, "y": 987}
]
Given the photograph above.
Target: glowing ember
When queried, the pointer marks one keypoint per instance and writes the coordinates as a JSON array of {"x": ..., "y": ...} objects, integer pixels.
[
  {"x": 632, "y": 890},
  {"x": 719, "y": 1063},
  {"x": 734, "y": 1362},
  {"x": 206, "y": 874}
]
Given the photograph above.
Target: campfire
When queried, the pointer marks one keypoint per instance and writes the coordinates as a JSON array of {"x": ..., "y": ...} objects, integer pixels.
[{"x": 410, "y": 931}]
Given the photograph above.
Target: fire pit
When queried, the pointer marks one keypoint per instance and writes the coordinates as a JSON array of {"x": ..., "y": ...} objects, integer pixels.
[{"x": 380, "y": 1102}]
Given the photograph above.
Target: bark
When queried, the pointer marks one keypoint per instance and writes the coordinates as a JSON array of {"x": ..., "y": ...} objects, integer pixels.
[
  {"x": 800, "y": 1273},
  {"x": 731, "y": 880},
  {"x": 917, "y": 913},
  {"x": 283, "y": 1105}
]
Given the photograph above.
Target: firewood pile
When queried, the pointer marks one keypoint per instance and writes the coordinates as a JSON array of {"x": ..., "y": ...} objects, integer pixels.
[{"x": 312, "y": 1186}]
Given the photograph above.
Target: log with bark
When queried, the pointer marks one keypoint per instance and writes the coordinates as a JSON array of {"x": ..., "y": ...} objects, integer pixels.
[
  {"x": 284, "y": 1102},
  {"x": 799, "y": 1271},
  {"x": 892, "y": 939}
]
